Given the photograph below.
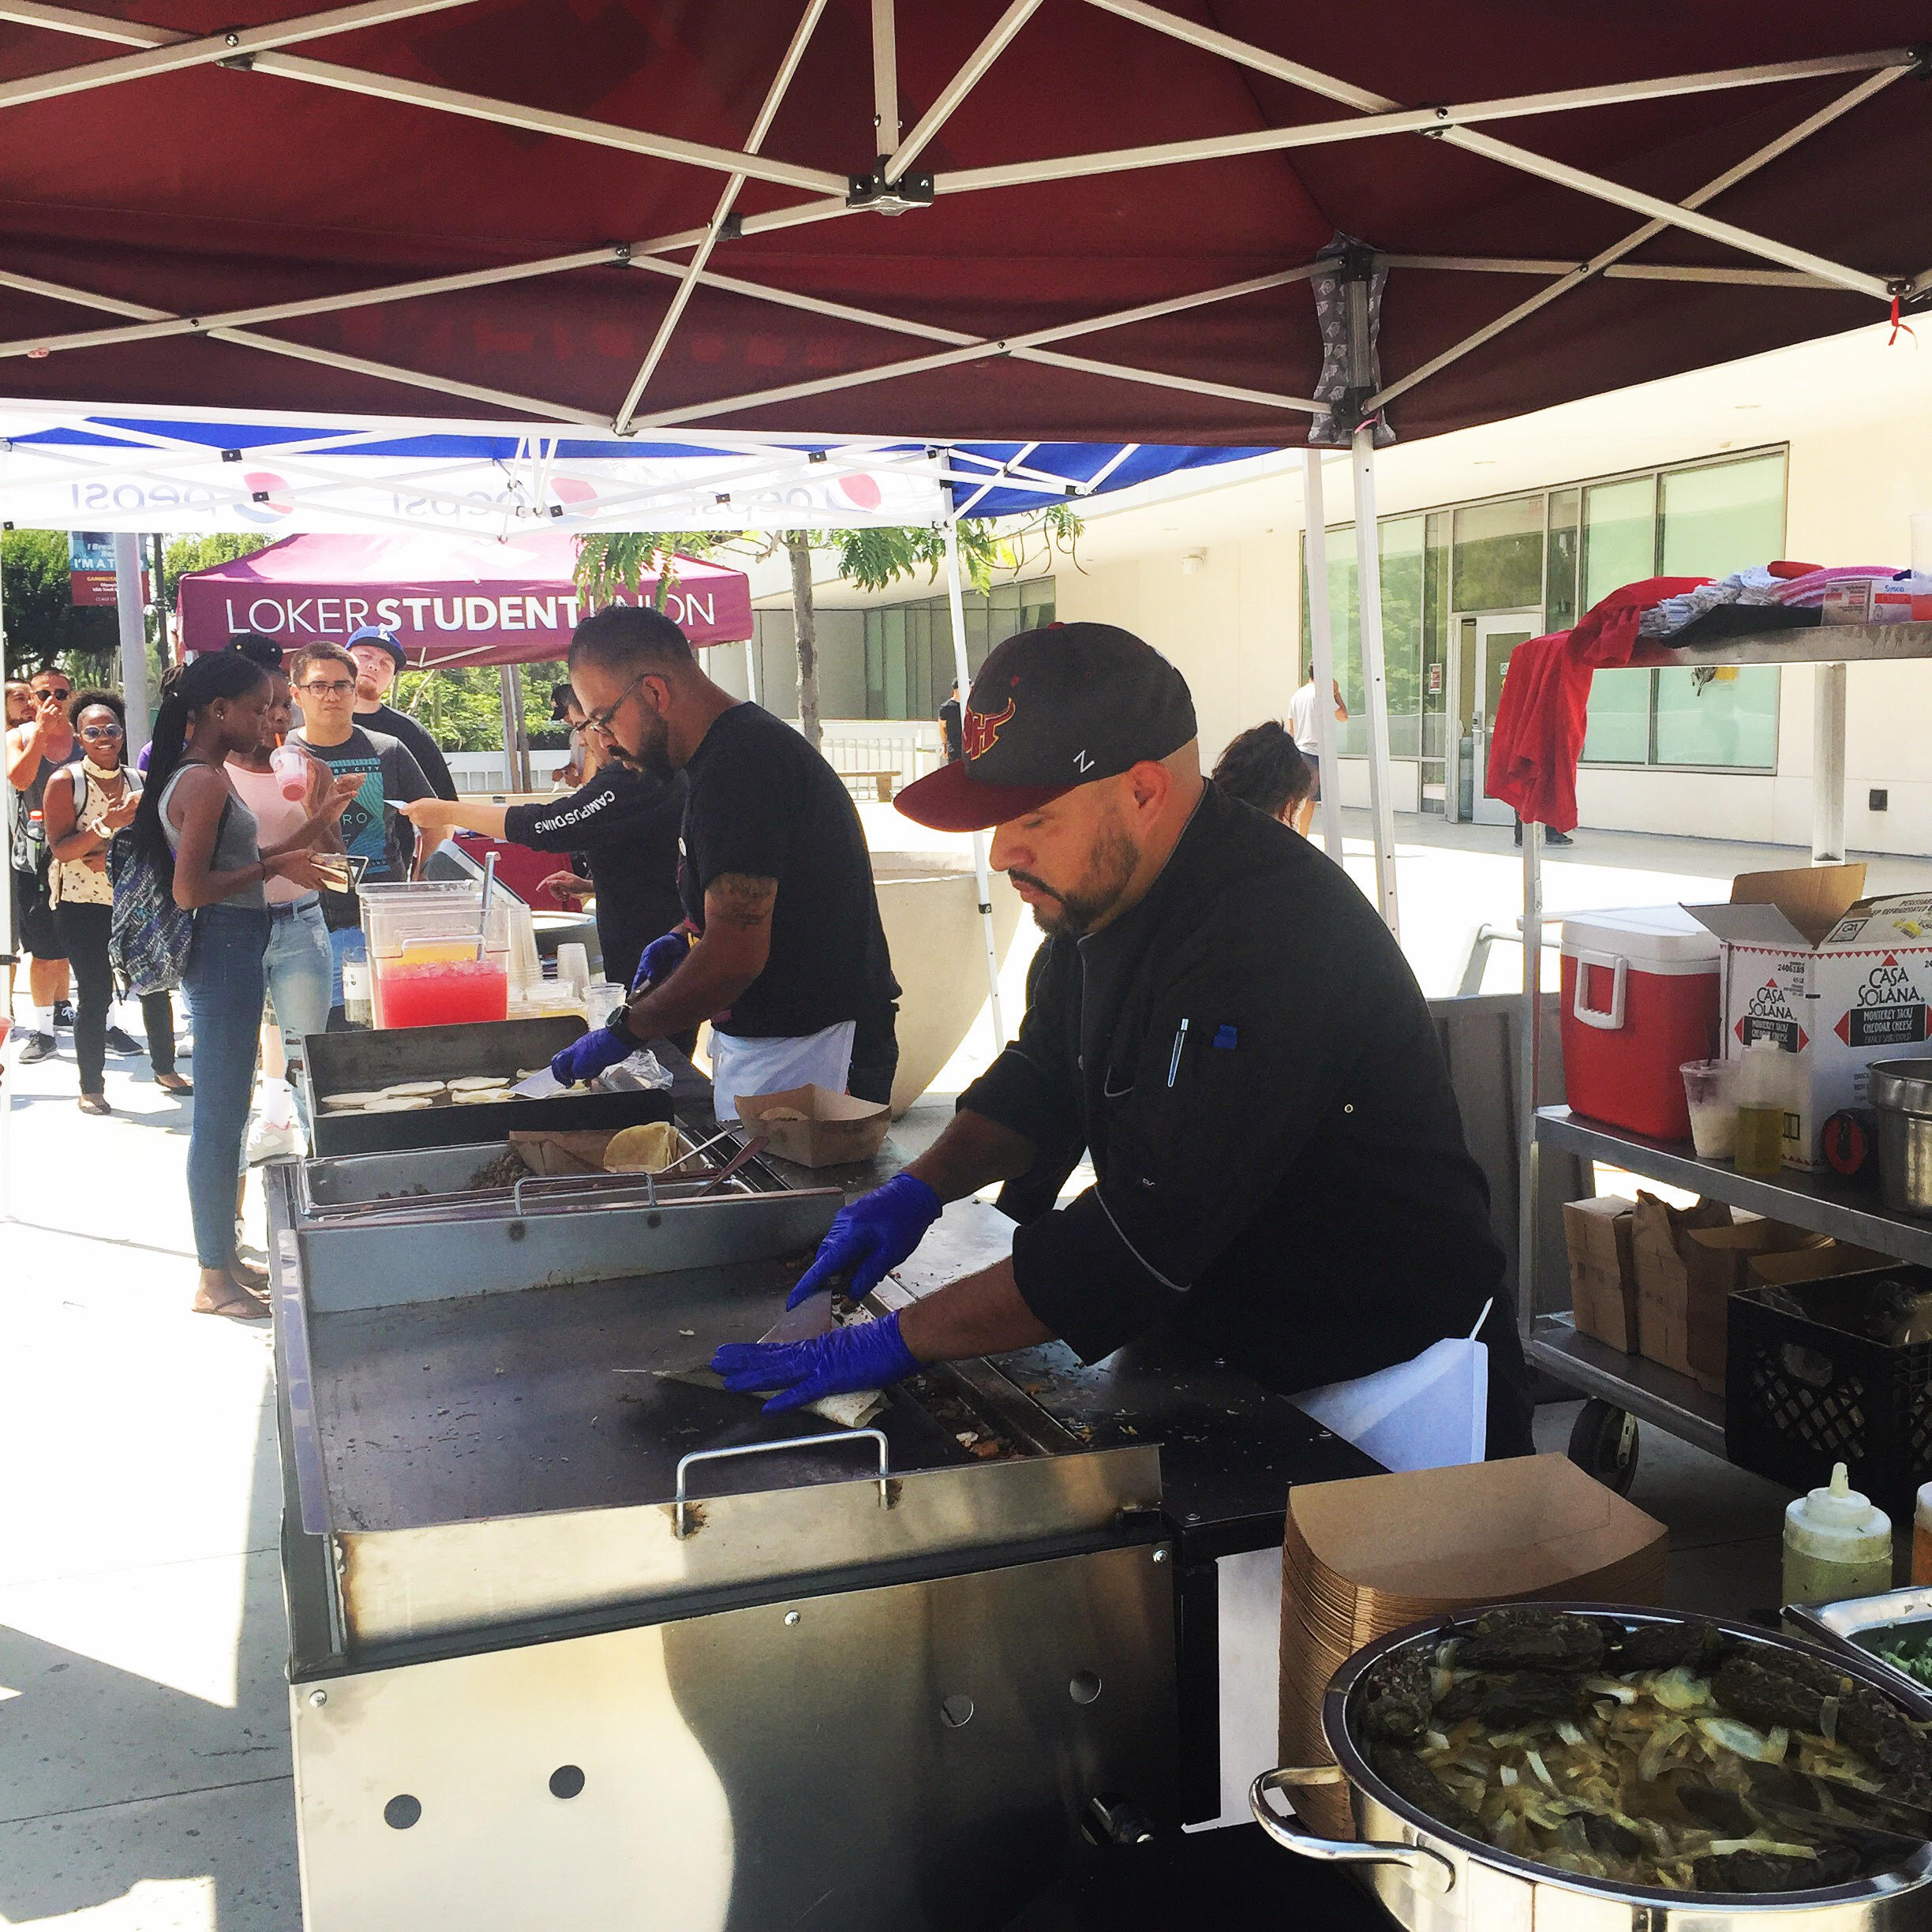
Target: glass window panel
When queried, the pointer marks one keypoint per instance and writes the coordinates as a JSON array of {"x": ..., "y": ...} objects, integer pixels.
[
  {"x": 1619, "y": 546},
  {"x": 1559, "y": 590},
  {"x": 1619, "y": 719},
  {"x": 1402, "y": 573},
  {"x": 1435, "y": 621},
  {"x": 1499, "y": 555},
  {"x": 1726, "y": 717},
  {"x": 1720, "y": 517}
]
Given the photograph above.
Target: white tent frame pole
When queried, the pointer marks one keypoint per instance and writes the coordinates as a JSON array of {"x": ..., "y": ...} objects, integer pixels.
[
  {"x": 1375, "y": 672},
  {"x": 1828, "y": 765},
  {"x": 1033, "y": 338},
  {"x": 447, "y": 100},
  {"x": 129, "y": 615},
  {"x": 885, "y": 77},
  {"x": 158, "y": 323},
  {"x": 1321, "y": 641},
  {"x": 903, "y": 153},
  {"x": 1617, "y": 271},
  {"x": 238, "y": 44},
  {"x": 956, "y": 605},
  {"x": 1897, "y": 61},
  {"x": 794, "y": 53},
  {"x": 1831, "y": 111}
]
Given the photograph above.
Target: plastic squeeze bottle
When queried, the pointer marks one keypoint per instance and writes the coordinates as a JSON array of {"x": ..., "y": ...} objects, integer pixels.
[
  {"x": 1760, "y": 1112},
  {"x": 1836, "y": 1545},
  {"x": 1922, "y": 1537}
]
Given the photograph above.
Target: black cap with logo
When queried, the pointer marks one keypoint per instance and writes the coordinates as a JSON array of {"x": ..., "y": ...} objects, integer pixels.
[{"x": 1051, "y": 709}]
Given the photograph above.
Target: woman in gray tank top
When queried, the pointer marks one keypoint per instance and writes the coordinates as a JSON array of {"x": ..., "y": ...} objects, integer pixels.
[{"x": 192, "y": 826}]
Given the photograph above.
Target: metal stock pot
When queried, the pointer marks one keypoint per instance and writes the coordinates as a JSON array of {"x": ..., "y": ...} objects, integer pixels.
[{"x": 1432, "y": 1879}]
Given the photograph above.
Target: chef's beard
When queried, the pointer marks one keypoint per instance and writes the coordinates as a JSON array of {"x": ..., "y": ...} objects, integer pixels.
[
  {"x": 653, "y": 756},
  {"x": 1110, "y": 867}
]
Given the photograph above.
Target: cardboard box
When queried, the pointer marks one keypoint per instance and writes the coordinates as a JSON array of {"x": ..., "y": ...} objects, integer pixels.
[
  {"x": 1716, "y": 1262},
  {"x": 816, "y": 1128},
  {"x": 1365, "y": 1557},
  {"x": 1891, "y": 606},
  {"x": 1836, "y": 981},
  {"x": 1602, "y": 1273},
  {"x": 1658, "y": 1233}
]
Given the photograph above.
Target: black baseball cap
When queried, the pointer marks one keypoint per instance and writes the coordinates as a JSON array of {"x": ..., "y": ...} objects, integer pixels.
[
  {"x": 375, "y": 634},
  {"x": 1051, "y": 710}
]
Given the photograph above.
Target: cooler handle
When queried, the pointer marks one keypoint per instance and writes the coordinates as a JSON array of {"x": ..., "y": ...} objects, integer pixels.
[{"x": 1610, "y": 1021}]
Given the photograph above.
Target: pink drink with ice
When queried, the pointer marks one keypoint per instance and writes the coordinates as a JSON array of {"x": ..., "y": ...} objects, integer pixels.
[{"x": 442, "y": 992}]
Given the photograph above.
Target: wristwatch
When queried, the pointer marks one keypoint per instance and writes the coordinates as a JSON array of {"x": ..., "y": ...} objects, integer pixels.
[{"x": 619, "y": 1024}]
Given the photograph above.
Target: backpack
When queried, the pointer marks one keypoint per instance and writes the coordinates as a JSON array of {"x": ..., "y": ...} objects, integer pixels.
[{"x": 149, "y": 935}]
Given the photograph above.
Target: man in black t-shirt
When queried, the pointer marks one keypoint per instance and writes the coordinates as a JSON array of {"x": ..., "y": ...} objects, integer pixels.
[
  {"x": 378, "y": 659},
  {"x": 789, "y": 961}
]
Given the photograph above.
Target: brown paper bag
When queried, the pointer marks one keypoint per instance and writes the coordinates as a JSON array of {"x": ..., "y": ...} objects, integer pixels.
[{"x": 1657, "y": 1231}]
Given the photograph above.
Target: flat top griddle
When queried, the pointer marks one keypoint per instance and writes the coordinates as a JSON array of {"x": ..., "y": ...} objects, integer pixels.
[{"x": 507, "y": 1404}]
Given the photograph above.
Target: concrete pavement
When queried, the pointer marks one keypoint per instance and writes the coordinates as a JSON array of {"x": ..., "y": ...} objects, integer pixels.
[{"x": 144, "y": 1777}]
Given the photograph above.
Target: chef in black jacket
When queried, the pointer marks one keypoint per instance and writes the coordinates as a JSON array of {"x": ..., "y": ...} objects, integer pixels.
[{"x": 1221, "y": 1019}]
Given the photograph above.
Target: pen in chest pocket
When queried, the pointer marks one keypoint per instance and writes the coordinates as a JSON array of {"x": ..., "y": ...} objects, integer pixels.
[{"x": 1174, "y": 1059}]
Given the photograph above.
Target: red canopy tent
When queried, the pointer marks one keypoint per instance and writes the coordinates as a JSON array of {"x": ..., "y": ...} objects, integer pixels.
[
  {"x": 449, "y": 600},
  {"x": 643, "y": 212}
]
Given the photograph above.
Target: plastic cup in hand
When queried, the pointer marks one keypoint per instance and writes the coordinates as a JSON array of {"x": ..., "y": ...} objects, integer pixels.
[
  {"x": 1711, "y": 1088},
  {"x": 288, "y": 766}
]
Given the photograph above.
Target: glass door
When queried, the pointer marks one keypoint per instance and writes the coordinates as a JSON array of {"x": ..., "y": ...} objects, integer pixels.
[{"x": 1496, "y": 638}]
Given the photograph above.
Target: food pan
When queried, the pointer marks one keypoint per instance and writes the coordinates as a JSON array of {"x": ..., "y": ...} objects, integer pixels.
[
  {"x": 358, "y": 1062},
  {"x": 1433, "y": 1878}
]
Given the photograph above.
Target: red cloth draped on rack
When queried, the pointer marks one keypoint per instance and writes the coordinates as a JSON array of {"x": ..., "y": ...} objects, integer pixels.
[{"x": 1538, "y": 734}]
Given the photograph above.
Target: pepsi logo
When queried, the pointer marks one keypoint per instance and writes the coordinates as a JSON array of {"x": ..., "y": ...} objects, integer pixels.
[{"x": 270, "y": 498}]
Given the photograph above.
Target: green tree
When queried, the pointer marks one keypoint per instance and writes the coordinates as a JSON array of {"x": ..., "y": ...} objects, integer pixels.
[
  {"x": 871, "y": 558},
  {"x": 194, "y": 553},
  {"x": 42, "y": 623}
]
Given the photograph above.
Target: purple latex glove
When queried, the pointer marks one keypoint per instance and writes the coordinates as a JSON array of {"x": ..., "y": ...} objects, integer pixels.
[
  {"x": 660, "y": 956},
  {"x": 867, "y": 1355},
  {"x": 590, "y": 1053},
  {"x": 871, "y": 1236}
]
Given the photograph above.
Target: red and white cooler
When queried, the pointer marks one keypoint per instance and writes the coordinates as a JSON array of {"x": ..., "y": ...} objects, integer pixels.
[{"x": 1640, "y": 998}]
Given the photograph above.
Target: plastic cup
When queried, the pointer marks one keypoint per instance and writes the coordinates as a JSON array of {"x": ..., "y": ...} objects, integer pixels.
[
  {"x": 1711, "y": 1088},
  {"x": 291, "y": 771}
]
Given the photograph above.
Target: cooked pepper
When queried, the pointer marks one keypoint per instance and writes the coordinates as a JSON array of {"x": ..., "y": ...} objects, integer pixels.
[
  {"x": 1408, "y": 1776},
  {"x": 1511, "y": 1703},
  {"x": 1525, "y": 1637},
  {"x": 1398, "y": 1696}
]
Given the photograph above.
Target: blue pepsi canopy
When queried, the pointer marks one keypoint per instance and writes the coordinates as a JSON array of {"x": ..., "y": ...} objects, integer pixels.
[{"x": 72, "y": 467}]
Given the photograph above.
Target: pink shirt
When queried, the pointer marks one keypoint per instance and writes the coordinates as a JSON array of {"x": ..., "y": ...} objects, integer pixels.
[{"x": 279, "y": 819}]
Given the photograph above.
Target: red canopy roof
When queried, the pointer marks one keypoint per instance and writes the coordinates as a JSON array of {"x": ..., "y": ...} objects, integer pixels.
[
  {"x": 552, "y": 168},
  {"x": 449, "y": 600}
]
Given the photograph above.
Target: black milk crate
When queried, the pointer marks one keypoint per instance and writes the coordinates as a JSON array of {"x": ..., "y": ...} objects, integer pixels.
[{"x": 1800, "y": 1394}]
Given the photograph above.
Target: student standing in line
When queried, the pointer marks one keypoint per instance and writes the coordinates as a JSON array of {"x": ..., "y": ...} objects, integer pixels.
[
  {"x": 83, "y": 808},
  {"x": 34, "y": 752},
  {"x": 297, "y": 966},
  {"x": 378, "y": 660},
  {"x": 192, "y": 828},
  {"x": 373, "y": 827}
]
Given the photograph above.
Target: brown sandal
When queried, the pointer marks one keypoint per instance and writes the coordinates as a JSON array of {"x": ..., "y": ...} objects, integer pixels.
[
  {"x": 174, "y": 1084},
  {"x": 95, "y": 1104},
  {"x": 238, "y": 1305}
]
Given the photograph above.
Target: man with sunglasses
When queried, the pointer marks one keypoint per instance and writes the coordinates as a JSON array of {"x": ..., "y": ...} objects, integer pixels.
[
  {"x": 781, "y": 947},
  {"x": 34, "y": 752},
  {"x": 324, "y": 677}
]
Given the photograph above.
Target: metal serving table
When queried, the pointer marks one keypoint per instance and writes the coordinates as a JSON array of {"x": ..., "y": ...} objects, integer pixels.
[
  {"x": 577, "y": 1647},
  {"x": 1643, "y": 1390}
]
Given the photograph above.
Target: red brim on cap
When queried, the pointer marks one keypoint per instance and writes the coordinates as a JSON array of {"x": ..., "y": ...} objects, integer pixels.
[{"x": 949, "y": 800}]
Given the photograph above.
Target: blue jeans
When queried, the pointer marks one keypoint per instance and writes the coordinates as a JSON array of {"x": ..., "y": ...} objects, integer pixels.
[
  {"x": 224, "y": 983},
  {"x": 347, "y": 942},
  {"x": 300, "y": 968}
]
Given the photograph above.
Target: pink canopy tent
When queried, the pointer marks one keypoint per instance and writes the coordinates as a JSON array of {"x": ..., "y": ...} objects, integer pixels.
[{"x": 450, "y": 600}]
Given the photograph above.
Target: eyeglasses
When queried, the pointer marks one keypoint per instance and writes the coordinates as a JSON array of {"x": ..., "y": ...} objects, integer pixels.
[
  {"x": 92, "y": 731},
  {"x": 330, "y": 687},
  {"x": 62, "y": 691},
  {"x": 602, "y": 720}
]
